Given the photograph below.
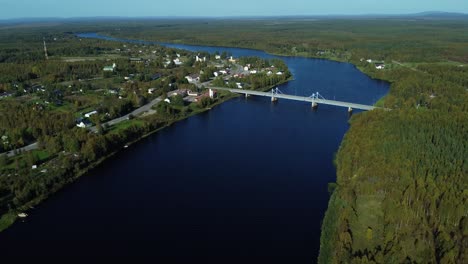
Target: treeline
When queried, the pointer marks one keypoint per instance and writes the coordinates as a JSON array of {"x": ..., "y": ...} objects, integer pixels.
[
  {"x": 74, "y": 150},
  {"x": 23, "y": 123},
  {"x": 401, "y": 190},
  {"x": 400, "y": 195}
]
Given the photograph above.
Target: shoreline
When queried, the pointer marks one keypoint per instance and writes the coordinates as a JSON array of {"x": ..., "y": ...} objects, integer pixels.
[{"x": 10, "y": 218}]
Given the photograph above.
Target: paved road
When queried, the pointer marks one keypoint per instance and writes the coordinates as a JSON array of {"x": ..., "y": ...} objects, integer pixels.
[
  {"x": 23, "y": 149},
  {"x": 135, "y": 112}
]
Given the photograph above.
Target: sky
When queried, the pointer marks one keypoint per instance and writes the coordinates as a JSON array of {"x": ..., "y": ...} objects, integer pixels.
[{"x": 219, "y": 8}]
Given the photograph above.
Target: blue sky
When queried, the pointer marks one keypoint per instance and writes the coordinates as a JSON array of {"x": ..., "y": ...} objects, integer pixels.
[{"x": 136, "y": 8}]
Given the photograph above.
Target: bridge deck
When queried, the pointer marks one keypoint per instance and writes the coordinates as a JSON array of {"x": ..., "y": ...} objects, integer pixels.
[{"x": 298, "y": 98}]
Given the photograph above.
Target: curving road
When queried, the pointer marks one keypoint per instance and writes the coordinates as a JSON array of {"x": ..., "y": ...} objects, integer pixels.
[{"x": 135, "y": 112}]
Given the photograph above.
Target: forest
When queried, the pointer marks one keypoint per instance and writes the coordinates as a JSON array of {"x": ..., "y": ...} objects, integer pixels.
[{"x": 400, "y": 194}]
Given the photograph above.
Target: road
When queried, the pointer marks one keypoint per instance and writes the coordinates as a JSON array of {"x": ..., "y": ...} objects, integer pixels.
[
  {"x": 135, "y": 112},
  {"x": 115, "y": 121}
]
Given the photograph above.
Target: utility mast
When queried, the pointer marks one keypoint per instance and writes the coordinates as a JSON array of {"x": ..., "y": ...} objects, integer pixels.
[{"x": 45, "y": 50}]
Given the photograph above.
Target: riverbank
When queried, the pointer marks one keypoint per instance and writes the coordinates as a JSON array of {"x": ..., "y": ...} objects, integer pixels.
[
  {"x": 9, "y": 218},
  {"x": 371, "y": 216}
]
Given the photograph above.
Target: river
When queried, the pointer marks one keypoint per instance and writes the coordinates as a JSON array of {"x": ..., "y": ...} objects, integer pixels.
[{"x": 246, "y": 181}]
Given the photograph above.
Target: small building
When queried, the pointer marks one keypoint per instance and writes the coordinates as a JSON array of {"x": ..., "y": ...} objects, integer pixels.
[
  {"x": 380, "y": 66},
  {"x": 232, "y": 60},
  {"x": 193, "y": 78},
  {"x": 167, "y": 100},
  {"x": 177, "y": 62},
  {"x": 151, "y": 90},
  {"x": 218, "y": 57},
  {"x": 90, "y": 113},
  {"x": 279, "y": 73},
  {"x": 212, "y": 94},
  {"x": 190, "y": 93},
  {"x": 246, "y": 68},
  {"x": 110, "y": 68},
  {"x": 83, "y": 123}
]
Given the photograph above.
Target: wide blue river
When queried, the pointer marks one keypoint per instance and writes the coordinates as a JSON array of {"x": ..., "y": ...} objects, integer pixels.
[{"x": 245, "y": 182}]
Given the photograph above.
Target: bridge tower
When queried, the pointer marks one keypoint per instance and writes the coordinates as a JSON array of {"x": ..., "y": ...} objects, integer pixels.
[{"x": 274, "y": 92}]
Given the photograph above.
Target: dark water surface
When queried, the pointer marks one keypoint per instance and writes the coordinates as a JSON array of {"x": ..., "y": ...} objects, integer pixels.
[{"x": 245, "y": 182}]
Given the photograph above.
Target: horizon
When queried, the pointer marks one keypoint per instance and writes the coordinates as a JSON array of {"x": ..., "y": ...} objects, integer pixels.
[
  {"x": 28, "y": 9},
  {"x": 429, "y": 13}
]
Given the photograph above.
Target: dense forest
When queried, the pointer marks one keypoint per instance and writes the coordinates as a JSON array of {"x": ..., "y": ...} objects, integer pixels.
[{"x": 400, "y": 194}]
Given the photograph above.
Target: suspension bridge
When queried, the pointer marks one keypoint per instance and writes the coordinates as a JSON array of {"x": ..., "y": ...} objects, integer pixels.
[{"x": 315, "y": 99}]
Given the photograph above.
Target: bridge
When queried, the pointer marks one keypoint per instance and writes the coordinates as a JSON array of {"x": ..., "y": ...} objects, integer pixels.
[{"x": 315, "y": 99}]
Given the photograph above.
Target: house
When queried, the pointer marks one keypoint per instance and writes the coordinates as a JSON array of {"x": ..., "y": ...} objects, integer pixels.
[
  {"x": 177, "y": 61},
  {"x": 90, "y": 113},
  {"x": 193, "y": 78},
  {"x": 216, "y": 74},
  {"x": 151, "y": 90},
  {"x": 369, "y": 60},
  {"x": 200, "y": 59},
  {"x": 218, "y": 57},
  {"x": 110, "y": 68},
  {"x": 253, "y": 71},
  {"x": 232, "y": 60},
  {"x": 190, "y": 93},
  {"x": 279, "y": 73},
  {"x": 246, "y": 68},
  {"x": 380, "y": 66},
  {"x": 5, "y": 95},
  {"x": 212, "y": 93},
  {"x": 167, "y": 100},
  {"x": 239, "y": 85},
  {"x": 83, "y": 123}
]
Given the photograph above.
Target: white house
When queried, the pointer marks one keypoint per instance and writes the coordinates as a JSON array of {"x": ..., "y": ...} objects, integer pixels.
[
  {"x": 90, "y": 113},
  {"x": 369, "y": 60},
  {"x": 279, "y": 73},
  {"x": 380, "y": 66},
  {"x": 192, "y": 78},
  {"x": 253, "y": 71},
  {"x": 246, "y": 68},
  {"x": 218, "y": 57},
  {"x": 151, "y": 90},
  {"x": 167, "y": 100},
  {"x": 216, "y": 74},
  {"x": 177, "y": 62},
  {"x": 239, "y": 85}
]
